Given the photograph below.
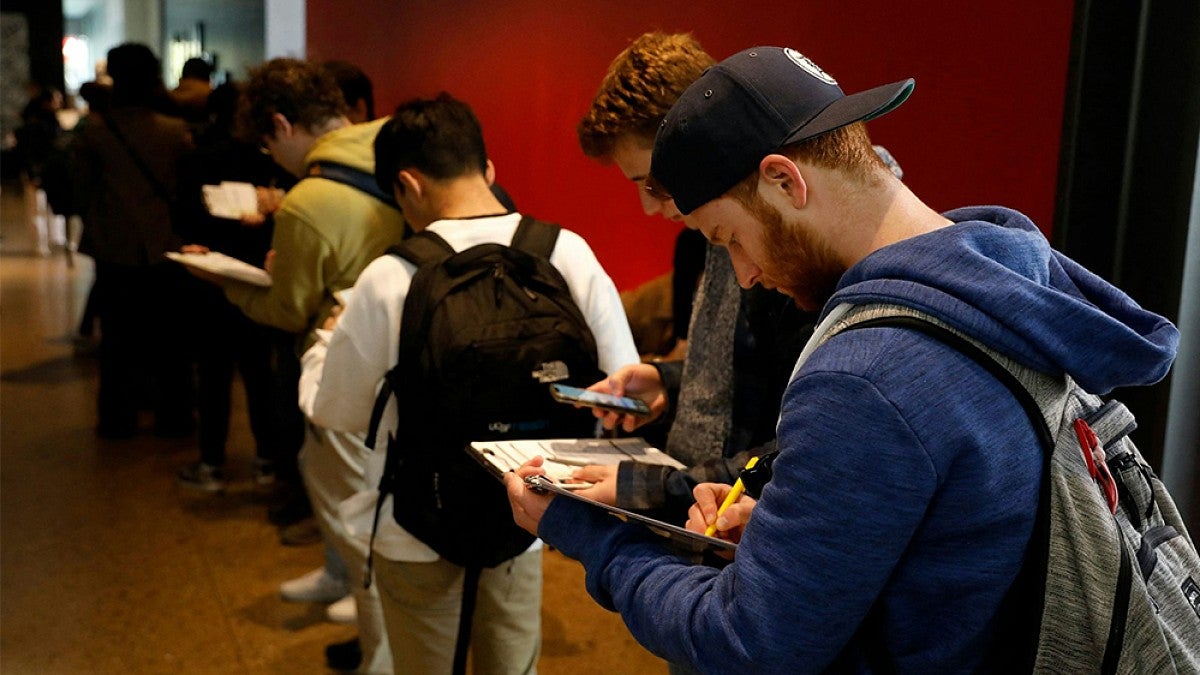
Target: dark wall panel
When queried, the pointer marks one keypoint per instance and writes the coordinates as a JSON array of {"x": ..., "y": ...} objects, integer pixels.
[
  {"x": 45, "y": 22},
  {"x": 1129, "y": 160}
]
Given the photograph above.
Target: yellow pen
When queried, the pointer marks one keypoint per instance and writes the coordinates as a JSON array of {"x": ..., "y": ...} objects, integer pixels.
[{"x": 738, "y": 489}]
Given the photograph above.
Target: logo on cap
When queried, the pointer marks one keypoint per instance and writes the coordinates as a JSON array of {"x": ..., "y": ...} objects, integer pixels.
[{"x": 808, "y": 66}]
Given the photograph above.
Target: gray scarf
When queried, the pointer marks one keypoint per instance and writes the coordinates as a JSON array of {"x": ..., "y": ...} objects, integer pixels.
[{"x": 703, "y": 420}]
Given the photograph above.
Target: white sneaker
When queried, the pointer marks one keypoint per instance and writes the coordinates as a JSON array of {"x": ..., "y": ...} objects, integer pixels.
[
  {"x": 316, "y": 586},
  {"x": 343, "y": 611}
]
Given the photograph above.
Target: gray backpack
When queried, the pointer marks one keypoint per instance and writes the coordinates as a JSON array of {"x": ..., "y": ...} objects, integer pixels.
[{"x": 1120, "y": 573}]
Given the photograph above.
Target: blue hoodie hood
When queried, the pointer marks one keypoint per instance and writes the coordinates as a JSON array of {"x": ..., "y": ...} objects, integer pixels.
[{"x": 993, "y": 276}]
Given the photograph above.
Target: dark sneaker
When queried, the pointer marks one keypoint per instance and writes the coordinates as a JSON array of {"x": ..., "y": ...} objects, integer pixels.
[
  {"x": 345, "y": 656},
  {"x": 264, "y": 472},
  {"x": 303, "y": 533},
  {"x": 201, "y": 476},
  {"x": 171, "y": 430},
  {"x": 294, "y": 508},
  {"x": 115, "y": 432}
]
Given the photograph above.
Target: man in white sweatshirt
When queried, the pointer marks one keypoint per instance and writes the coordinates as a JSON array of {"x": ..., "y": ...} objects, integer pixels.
[{"x": 431, "y": 153}]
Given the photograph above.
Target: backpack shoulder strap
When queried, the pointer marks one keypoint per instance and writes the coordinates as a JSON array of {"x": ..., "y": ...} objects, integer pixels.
[
  {"x": 1027, "y": 595},
  {"x": 423, "y": 249},
  {"x": 355, "y": 178},
  {"x": 535, "y": 237},
  {"x": 462, "y": 642},
  {"x": 426, "y": 250},
  {"x": 979, "y": 356}
]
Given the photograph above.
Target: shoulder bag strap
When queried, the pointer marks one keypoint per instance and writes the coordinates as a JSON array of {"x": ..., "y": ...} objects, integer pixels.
[{"x": 155, "y": 183}]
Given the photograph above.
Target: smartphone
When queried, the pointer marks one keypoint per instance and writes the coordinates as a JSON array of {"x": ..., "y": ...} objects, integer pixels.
[{"x": 595, "y": 399}]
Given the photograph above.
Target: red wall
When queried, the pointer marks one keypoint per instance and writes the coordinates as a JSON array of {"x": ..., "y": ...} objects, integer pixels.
[{"x": 983, "y": 125}]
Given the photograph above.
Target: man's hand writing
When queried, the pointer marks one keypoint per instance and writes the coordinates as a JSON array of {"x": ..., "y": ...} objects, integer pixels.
[{"x": 703, "y": 513}]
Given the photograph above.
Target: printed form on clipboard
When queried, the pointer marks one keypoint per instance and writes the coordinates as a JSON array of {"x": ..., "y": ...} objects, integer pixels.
[{"x": 564, "y": 455}]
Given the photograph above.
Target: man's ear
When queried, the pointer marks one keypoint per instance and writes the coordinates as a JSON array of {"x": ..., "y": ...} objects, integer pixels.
[
  {"x": 490, "y": 173},
  {"x": 781, "y": 175},
  {"x": 283, "y": 128},
  {"x": 359, "y": 110},
  {"x": 409, "y": 183}
]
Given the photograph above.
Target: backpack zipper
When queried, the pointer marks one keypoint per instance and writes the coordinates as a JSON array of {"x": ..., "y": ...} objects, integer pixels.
[
  {"x": 498, "y": 287},
  {"x": 497, "y": 281}
]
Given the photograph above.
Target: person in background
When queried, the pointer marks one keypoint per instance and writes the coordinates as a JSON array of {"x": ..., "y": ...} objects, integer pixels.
[
  {"x": 325, "y": 234},
  {"x": 905, "y": 490},
  {"x": 356, "y": 89},
  {"x": 432, "y": 155},
  {"x": 124, "y": 165},
  {"x": 191, "y": 94},
  {"x": 294, "y": 514},
  {"x": 36, "y": 139},
  {"x": 721, "y": 402},
  {"x": 225, "y": 338},
  {"x": 99, "y": 99},
  {"x": 687, "y": 266}
]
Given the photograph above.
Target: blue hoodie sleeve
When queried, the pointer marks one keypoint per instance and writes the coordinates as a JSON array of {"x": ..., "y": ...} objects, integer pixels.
[{"x": 805, "y": 575}]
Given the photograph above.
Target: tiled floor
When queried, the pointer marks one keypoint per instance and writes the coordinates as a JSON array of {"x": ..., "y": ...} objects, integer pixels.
[{"x": 106, "y": 566}]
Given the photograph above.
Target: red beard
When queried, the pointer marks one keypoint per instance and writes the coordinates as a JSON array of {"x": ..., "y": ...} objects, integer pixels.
[{"x": 801, "y": 266}]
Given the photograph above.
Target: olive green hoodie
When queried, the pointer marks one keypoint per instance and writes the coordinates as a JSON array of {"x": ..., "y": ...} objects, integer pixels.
[{"x": 325, "y": 234}]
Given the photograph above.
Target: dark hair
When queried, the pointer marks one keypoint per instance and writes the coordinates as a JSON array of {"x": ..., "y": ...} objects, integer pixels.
[
  {"x": 222, "y": 104},
  {"x": 354, "y": 83},
  {"x": 641, "y": 85},
  {"x": 303, "y": 92},
  {"x": 135, "y": 73},
  {"x": 196, "y": 68},
  {"x": 98, "y": 96},
  {"x": 440, "y": 137}
]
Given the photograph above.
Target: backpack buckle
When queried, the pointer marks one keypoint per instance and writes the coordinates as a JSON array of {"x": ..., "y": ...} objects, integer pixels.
[
  {"x": 551, "y": 371},
  {"x": 1093, "y": 457}
]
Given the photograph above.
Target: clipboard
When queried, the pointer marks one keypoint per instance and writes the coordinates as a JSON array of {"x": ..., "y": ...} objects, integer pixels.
[
  {"x": 680, "y": 538},
  {"x": 563, "y": 455},
  {"x": 223, "y": 265}
]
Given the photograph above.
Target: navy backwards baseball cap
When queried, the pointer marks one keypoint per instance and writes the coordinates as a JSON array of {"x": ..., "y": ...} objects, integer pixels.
[{"x": 746, "y": 107}]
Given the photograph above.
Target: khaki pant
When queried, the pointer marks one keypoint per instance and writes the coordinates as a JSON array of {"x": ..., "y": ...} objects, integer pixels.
[
  {"x": 422, "y": 603},
  {"x": 331, "y": 463}
]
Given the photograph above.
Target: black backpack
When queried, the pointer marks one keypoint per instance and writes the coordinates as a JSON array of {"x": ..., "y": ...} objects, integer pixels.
[{"x": 484, "y": 332}]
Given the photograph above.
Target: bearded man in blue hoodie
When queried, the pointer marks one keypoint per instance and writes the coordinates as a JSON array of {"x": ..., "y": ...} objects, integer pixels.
[{"x": 904, "y": 494}]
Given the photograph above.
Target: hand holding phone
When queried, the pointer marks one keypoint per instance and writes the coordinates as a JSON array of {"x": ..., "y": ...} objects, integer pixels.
[{"x": 594, "y": 399}]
